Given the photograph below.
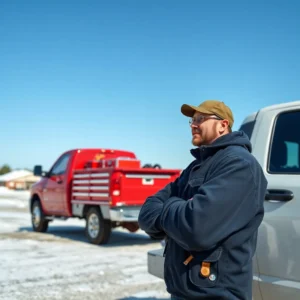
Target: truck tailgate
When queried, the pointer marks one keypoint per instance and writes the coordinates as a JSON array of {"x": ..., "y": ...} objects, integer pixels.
[{"x": 135, "y": 187}]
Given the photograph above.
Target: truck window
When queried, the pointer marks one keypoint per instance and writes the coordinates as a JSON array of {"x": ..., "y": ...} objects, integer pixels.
[
  {"x": 61, "y": 165},
  {"x": 285, "y": 144},
  {"x": 248, "y": 128}
]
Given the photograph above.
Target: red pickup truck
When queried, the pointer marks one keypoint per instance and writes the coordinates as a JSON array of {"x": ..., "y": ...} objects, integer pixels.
[{"x": 106, "y": 187}]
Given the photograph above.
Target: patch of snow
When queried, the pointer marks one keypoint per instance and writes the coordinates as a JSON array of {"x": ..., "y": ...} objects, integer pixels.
[
  {"x": 13, "y": 203},
  {"x": 13, "y": 221},
  {"x": 61, "y": 264},
  {"x": 52, "y": 266},
  {"x": 6, "y": 193}
]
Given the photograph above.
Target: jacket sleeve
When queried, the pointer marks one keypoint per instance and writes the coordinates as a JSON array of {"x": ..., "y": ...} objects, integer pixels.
[
  {"x": 223, "y": 204},
  {"x": 151, "y": 210}
]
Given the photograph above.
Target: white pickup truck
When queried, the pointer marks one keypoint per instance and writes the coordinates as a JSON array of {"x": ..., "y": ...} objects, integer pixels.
[{"x": 274, "y": 132}]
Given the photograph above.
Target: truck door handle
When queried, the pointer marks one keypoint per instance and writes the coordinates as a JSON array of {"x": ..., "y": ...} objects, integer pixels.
[
  {"x": 279, "y": 195},
  {"x": 59, "y": 180}
]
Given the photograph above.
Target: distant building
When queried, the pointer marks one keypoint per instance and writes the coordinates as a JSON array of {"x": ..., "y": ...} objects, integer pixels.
[{"x": 18, "y": 180}]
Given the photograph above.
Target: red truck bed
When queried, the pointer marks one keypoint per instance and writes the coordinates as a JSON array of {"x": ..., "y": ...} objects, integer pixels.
[{"x": 118, "y": 186}]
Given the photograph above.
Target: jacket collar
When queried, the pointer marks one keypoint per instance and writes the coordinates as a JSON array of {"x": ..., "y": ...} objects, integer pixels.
[{"x": 203, "y": 152}]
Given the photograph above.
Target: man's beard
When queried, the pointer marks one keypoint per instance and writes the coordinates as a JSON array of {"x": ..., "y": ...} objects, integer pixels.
[{"x": 197, "y": 142}]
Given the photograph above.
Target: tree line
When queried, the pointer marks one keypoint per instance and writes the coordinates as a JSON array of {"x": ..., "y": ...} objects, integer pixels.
[{"x": 5, "y": 169}]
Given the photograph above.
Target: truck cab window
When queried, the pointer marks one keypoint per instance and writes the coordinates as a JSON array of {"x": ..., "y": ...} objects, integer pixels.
[
  {"x": 285, "y": 144},
  {"x": 60, "y": 167}
]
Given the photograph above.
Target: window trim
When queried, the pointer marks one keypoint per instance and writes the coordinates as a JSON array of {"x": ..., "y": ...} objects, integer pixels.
[{"x": 271, "y": 141}]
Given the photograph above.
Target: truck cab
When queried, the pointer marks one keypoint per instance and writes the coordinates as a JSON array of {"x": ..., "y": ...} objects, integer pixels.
[{"x": 275, "y": 137}]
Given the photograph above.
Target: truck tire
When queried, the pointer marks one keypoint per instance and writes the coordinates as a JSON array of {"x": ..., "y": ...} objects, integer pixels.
[
  {"x": 97, "y": 229},
  {"x": 38, "y": 220}
]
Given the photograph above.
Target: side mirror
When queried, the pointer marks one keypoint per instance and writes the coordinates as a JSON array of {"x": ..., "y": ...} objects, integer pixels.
[{"x": 38, "y": 170}]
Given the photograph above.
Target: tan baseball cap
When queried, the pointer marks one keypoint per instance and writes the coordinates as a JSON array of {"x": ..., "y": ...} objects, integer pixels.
[{"x": 211, "y": 107}]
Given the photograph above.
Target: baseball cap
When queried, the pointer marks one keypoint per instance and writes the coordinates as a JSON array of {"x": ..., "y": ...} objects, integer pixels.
[{"x": 212, "y": 107}]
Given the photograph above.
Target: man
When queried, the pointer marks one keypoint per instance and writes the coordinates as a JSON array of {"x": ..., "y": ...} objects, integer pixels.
[{"x": 210, "y": 214}]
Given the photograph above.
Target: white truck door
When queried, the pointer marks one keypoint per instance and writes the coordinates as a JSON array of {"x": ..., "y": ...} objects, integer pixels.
[{"x": 278, "y": 246}]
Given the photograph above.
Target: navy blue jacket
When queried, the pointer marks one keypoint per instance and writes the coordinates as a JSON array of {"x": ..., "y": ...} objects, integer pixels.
[{"x": 212, "y": 212}]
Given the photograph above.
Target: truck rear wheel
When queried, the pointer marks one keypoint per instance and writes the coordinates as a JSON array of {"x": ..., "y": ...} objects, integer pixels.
[
  {"x": 38, "y": 220},
  {"x": 97, "y": 229}
]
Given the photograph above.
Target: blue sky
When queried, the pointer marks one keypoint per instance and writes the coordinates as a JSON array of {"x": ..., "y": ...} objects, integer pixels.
[{"x": 113, "y": 74}]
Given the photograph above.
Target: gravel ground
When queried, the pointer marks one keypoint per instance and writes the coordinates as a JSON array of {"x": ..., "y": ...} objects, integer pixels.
[{"x": 61, "y": 264}]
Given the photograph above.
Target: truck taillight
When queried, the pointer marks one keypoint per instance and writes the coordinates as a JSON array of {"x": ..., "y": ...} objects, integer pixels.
[
  {"x": 116, "y": 188},
  {"x": 116, "y": 192}
]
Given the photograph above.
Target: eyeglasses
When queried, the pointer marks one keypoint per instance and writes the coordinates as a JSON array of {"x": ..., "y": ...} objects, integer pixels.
[{"x": 199, "y": 119}]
